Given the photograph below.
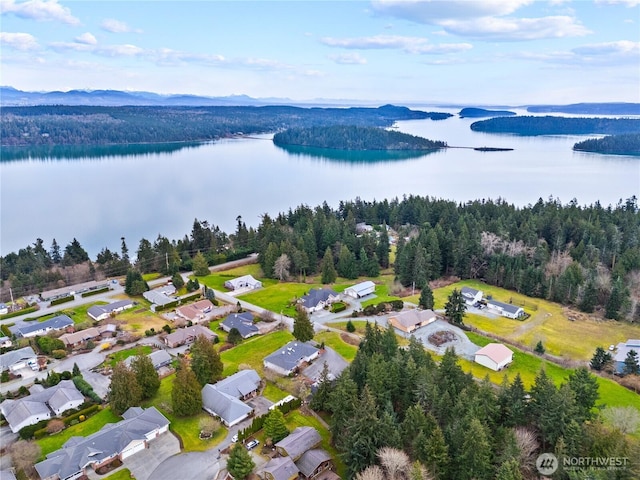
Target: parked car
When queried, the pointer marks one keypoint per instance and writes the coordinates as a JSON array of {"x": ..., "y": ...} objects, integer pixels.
[
  {"x": 252, "y": 444},
  {"x": 234, "y": 439}
]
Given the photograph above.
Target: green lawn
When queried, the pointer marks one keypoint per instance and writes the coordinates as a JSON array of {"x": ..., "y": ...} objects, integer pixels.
[
  {"x": 279, "y": 297},
  {"x": 273, "y": 393},
  {"x": 333, "y": 340},
  {"x": 253, "y": 350},
  {"x": 121, "y": 355},
  {"x": 214, "y": 327},
  {"x": 90, "y": 425},
  {"x": 77, "y": 314},
  {"x": 382, "y": 295},
  {"x": 216, "y": 280},
  {"x": 123, "y": 474}
]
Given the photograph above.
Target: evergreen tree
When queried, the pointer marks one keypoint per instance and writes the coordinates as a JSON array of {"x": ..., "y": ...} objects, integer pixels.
[
  {"x": 200, "y": 265},
  {"x": 631, "y": 366},
  {"x": 205, "y": 361},
  {"x": 177, "y": 281},
  {"x": 432, "y": 450},
  {"x": 509, "y": 470},
  {"x": 320, "y": 399},
  {"x": 302, "y": 326},
  {"x": 585, "y": 390},
  {"x": 234, "y": 337},
  {"x": 601, "y": 359},
  {"x": 56, "y": 256},
  {"x": 539, "y": 348},
  {"x": 239, "y": 464},
  {"x": 124, "y": 391},
  {"x": 382, "y": 249},
  {"x": 617, "y": 302},
  {"x": 274, "y": 425},
  {"x": 186, "y": 398},
  {"x": 347, "y": 265},
  {"x": 76, "y": 370},
  {"x": 124, "y": 253},
  {"x": 327, "y": 267},
  {"x": 512, "y": 402},
  {"x": 134, "y": 283},
  {"x": 146, "y": 376},
  {"x": 268, "y": 260},
  {"x": 455, "y": 307},
  {"x": 426, "y": 297},
  {"x": 474, "y": 461},
  {"x": 589, "y": 297}
]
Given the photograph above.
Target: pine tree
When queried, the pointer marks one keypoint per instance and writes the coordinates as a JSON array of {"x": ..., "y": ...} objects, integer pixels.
[
  {"x": 509, "y": 470},
  {"x": 382, "y": 249},
  {"x": 76, "y": 370},
  {"x": 585, "y": 389},
  {"x": 539, "y": 348},
  {"x": 205, "y": 361},
  {"x": 239, "y": 463},
  {"x": 177, "y": 281},
  {"x": 474, "y": 461},
  {"x": 56, "y": 256},
  {"x": 601, "y": 359},
  {"x": 426, "y": 297},
  {"x": 617, "y": 301},
  {"x": 200, "y": 265},
  {"x": 327, "y": 267},
  {"x": 146, "y": 376},
  {"x": 274, "y": 426},
  {"x": 302, "y": 326},
  {"x": 455, "y": 307},
  {"x": 124, "y": 391},
  {"x": 589, "y": 297},
  {"x": 186, "y": 398},
  {"x": 320, "y": 399},
  {"x": 631, "y": 366}
]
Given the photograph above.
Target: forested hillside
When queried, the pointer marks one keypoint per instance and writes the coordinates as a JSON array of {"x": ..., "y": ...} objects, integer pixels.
[
  {"x": 586, "y": 256},
  {"x": 60, "y": 125},
  {"x": 551, "y": 125},
  {"x": 613, "y": 144},
  {"x": 349, "y": 137}
]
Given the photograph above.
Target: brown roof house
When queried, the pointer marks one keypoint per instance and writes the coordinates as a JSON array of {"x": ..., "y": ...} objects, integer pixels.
[
  {"x": 410, "y": 320},
  {"x": 301, "y": 446},
  {"x": 195, "y": 312},
  {"x": 187, "y": 335},
  {"x": 279, "y": 468}
]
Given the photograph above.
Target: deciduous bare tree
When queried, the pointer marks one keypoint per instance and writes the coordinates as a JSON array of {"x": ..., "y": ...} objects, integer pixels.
[
  {"x": 281, "y": 267},
  {"x": 625, "y": 419},
  {"x": 24, "y": 455}
]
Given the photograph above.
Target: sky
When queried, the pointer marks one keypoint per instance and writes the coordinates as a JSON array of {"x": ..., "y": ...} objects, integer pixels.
[{"x": 485, "y": 52}]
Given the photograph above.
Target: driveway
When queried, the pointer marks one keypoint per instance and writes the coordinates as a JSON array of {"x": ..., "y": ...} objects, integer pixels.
[
  {"x": 143, "y": 464},
  {"x": 187, "y": 466},
  {"x": 333, "y": 360},
  {"x": 98, "y": 381},
  {"x": 462, "y": 345}
]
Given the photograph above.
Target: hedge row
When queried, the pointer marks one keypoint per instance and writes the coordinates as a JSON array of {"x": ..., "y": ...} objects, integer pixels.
[
  {"x": 169, "y": 305},
  {"x": 86, "y": 412},
  {"x": 19, "y": 312},
  {"x": 193, "y": 296},
  {"x": 58, "y": 301},
  {"x": 86, "y": 389},
  {"x": 95, "y": 292},
  {"x": 5, "y": 329},
  {"x": 338, "y": 307}
]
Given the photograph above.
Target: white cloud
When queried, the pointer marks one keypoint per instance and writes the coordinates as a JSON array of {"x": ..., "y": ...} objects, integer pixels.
[
  {"x": 619, "y": 48},
  {"x": 628, "y": 3},
  {"x": 433, "y": 11},
  {"x": 348, "y": 59},
  {"x": 618, "y": 53},
  {"x": 116, "y": 26},
  {"x": 120, "y": 51},
  {"x": 18, "y": 41},
  {"x": 41, "y": 10},
  {"x": 87, "y": 39},
  {"x": 407, "y": 44},
  {"x": 516, "y": 29}
]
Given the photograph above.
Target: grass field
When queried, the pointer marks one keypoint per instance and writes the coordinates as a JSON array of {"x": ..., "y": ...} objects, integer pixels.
[
  {"x": 124, "y": 474},
  {"x": 121, "y": 355},
  {"x": 253, "y": 350},
  {"x": 216, "y": 280},
  {"x": 333, "y": 340},
  {"x": 140, "y": 318},
  {"x": 90, "y": 425},
  {"x": 77, "y": 314},
  {"x": 549, "y": 323}
]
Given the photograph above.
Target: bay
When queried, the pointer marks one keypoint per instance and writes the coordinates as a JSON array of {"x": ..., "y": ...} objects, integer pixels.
[{"x": 101, "y": 194}]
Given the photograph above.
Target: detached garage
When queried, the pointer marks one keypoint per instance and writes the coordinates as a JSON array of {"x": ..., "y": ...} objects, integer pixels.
[{"x": 494, "y": 356}]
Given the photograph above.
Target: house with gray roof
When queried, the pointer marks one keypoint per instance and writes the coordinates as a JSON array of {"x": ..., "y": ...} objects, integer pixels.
[
  {"x": 160, "y": 296},
  {"x": 318, "y": 298},
  {"x": 41, "y": 405},
  {"x": 7, "y": 475},
  {"x": 622, "y": 351},
  {"x": 298, "y": 442},
  {"x": 17, "y": 359},
  {"x": 243, "y": 322},
  {"x": 114, "y": 440},
  {"x": 187, "y": 335},
  {"x": 288, "y": 359},
  {"x": 279, "y": 468},
  {"x": 159, "y": 359},
  {"x": 224, "y": 399},
  {"x": 470, "y": 295},
  {"x": 102, "y": 312},
  {"x": 60, "y": 322},
  {"x": 505, "y": 309}
]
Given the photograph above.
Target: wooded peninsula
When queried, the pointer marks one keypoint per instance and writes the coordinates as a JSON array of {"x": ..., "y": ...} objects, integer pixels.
[{"x": 550, "y": 125}]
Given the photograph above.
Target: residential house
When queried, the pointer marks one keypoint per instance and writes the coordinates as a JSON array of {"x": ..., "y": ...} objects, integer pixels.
[
  {"x": 410, "y": 320},
  {"x": 494, "y": 356},
  {"x": 298, "y": 442},
  {"x": 102, "y": 312},
  {"x": 114, "y": 440},
  {"x": 246, "y": 281},
  {"x": 60, "y": 322},
  {"x": 314, "y": 462},
  {"x": 471, "y": 295},
  {"x": 361, "y": 289},
  {"x": 363, "y": 227},
  {"x": 622, "y": 351},
  {"x": 505, "y": 309},
  {"x": 318, "y": 298},
  {"x": 159, "y": 359},
  {"x": 5, "y": 342},
  {"x": 187, "y": 335},
  {"x": 159, "y": 297},
  {"x": 78, "y": 339},
  {"x": 17, "y": 359},
  {"x": 7, "y": 475},
  {"x": 288, "y": 359},
  {"x": 195, "y": 312},
  {"x": 42, "y": 404},
  {"x": 224, "y": 399},
  {"x": 243, "y": 322},
  {"x": 279, "y": 468},
  {"x": 4, "y": 309},
  {"x": 74, "y": 289}
]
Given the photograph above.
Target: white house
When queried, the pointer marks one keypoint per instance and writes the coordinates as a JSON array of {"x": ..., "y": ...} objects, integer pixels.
[
  {"x": 318, "y": 298},
  {"x": 17, "y": 359},
  {"x": 246, "y": 281},
  {"x": 361, "y": 289},
  {"x": 32, "y": 329},
  {"x": 102, "y": 312},
  {"x": 225, "y": 399},
  {"x": 494, "y": 356},
  {"x": 287, "y": 359},
  {"x": 471, "y": 295},
  {"x": 505, "y": 309}
]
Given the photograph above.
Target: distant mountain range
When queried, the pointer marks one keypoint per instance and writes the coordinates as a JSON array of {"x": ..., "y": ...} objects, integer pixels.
[{"x": 11, "y": 97}]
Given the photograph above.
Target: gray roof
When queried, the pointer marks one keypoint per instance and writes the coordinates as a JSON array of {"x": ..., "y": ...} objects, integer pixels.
[
  {"x": 243, "y": 322},
  {"x": 624, "y": 348},
  {"x": 7, "y": 475},
  {"x": 183, "y": 335},
  {"x": 160, "y": 296},
  {"x": 317, "y": 295},
  {"x": 312, "y": 459},
  {"x": 158, "y": 358},
  {"x": 291, "y": 355},
  {"x": 226, "y": 406},
  {"x": 78, "y": 452},
  {"x": 239, "y": 384},
  {"x": 469, "y": 292},
  {"x": 55, "y": 323},
  {"x": 299, "y": 441},
  {"x": 98, "y": 310},
  {"x": 281, "y": 468},
  {"x": 14, "y": 356},
  {"x": 362, "y": 286},
  {"x": 17, "y": 411},
  {"x": 507, "y": 307}
]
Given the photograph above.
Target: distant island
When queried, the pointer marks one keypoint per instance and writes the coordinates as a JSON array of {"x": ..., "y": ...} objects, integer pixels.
[
  {"x": 350, "y": 137},
  {"x": 471, "y": 112},
  {"x": 552, "y": 125},
  {"x": 613, "y": 145},
  {"x": 619, "y": 108}
]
